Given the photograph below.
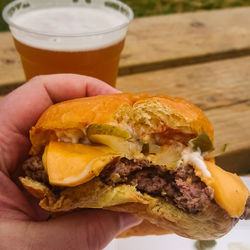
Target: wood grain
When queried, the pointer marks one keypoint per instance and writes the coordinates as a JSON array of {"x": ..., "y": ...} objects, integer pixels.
[
  {"x": 163, "y": 41},
  {"x": 231, "y": 126},
  {"x": 208, "y": 85},
  {"x": 11, "y": 72},
  {"x": 174, "y": 40}
]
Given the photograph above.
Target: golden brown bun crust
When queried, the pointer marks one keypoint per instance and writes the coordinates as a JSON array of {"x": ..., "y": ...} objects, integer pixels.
[
  {"x": 212, "y": 223},
  {"x": 134, "y": 110}
]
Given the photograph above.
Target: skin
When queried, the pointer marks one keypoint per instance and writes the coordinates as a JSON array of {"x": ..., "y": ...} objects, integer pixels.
[{"x": 23, "y": 224}]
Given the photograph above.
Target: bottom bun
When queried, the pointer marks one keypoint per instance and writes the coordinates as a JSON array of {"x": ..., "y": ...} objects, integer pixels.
[
  {"x": 212, "y": 223},
  {"x": 144, "y": 228}
]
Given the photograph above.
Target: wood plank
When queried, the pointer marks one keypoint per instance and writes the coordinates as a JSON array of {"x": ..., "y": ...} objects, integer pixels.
[
  {"x": 231, "y": 125},
  {"x": 221, "y": 89},
  {"x": 163, "y": 41},
  {"x": 180, "y": 39},
  {"x": 208, "y": 85},
  {"x": 11, "y": 71}
]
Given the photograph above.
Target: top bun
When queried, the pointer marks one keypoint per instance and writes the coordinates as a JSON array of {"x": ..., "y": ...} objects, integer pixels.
[{"x": 143, "y": 115}]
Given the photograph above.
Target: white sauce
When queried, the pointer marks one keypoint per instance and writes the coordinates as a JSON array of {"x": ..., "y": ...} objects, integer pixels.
[
  {"x": 196, "y": 159},
  {"x": 70, "y": 136}
]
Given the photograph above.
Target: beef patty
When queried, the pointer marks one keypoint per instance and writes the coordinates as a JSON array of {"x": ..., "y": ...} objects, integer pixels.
[
  {"x": 181, "y": 186},
  {"x": 33, "y": 168}
]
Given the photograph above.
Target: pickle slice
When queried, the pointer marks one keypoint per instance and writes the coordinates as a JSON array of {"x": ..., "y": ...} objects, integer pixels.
[
  {"x": 216, "y": 152},
  {"x": 117, "y": 143},
  {"x": 169, "y": 156},
  {"x": 105, "y": 129},
  {"x": 202, "y": 142}
]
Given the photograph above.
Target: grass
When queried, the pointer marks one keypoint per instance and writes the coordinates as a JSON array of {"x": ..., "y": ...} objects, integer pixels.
[
  {"x": 156, "y": 7},
  {"x": 3, "y": 25}
]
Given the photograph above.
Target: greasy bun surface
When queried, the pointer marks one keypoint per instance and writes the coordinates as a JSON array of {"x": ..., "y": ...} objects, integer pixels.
[{"x": 146, "y": 114}]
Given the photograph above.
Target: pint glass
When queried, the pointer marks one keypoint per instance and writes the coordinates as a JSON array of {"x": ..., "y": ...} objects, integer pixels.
[{"x": 69, "y": 36}]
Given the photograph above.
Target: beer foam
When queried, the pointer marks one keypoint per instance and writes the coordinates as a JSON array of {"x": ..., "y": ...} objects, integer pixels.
[{"x": 67, "y": 23}]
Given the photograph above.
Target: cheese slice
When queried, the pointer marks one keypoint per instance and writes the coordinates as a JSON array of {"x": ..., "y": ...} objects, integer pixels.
[
  {"x": 70, "y": 164},
  {"x": 230, "y": 193}
]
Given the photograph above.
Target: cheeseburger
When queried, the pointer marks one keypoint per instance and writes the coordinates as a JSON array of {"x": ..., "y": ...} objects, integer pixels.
[{"x": 151, "y": 156}]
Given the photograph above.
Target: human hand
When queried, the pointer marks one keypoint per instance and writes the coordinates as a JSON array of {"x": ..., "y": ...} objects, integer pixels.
[{"x": 23, "y": 224}]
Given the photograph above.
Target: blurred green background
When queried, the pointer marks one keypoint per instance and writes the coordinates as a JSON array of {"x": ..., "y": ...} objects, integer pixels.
[{"x": 157, "y": 7}]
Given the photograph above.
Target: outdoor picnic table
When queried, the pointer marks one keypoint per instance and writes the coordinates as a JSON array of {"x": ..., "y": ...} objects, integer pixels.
[{"x": 203, "y": 57}]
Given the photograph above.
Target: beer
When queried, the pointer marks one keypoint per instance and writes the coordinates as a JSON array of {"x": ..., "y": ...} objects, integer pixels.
[
  {"x": 100, "y": 63},
  {"x": 68, "y": 39}
]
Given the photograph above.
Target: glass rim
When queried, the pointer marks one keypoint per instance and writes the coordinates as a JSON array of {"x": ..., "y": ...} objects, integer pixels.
[{"x": 82, "y": 34}]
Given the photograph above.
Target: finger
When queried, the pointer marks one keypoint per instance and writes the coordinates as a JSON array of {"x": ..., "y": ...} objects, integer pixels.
[
  {"x": 22, "y": 107},
  {"x": 86, "y": 229}
]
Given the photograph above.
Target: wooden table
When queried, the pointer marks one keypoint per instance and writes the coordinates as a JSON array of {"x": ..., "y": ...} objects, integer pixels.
[{"x": 203, "y": 57}]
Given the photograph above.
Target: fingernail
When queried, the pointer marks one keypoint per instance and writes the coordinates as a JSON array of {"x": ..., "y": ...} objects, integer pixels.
[{"x": 129, "y": 220}]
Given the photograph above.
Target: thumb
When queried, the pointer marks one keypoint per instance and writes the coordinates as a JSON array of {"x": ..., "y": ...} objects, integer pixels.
[{"x": 90, "y": 229}]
